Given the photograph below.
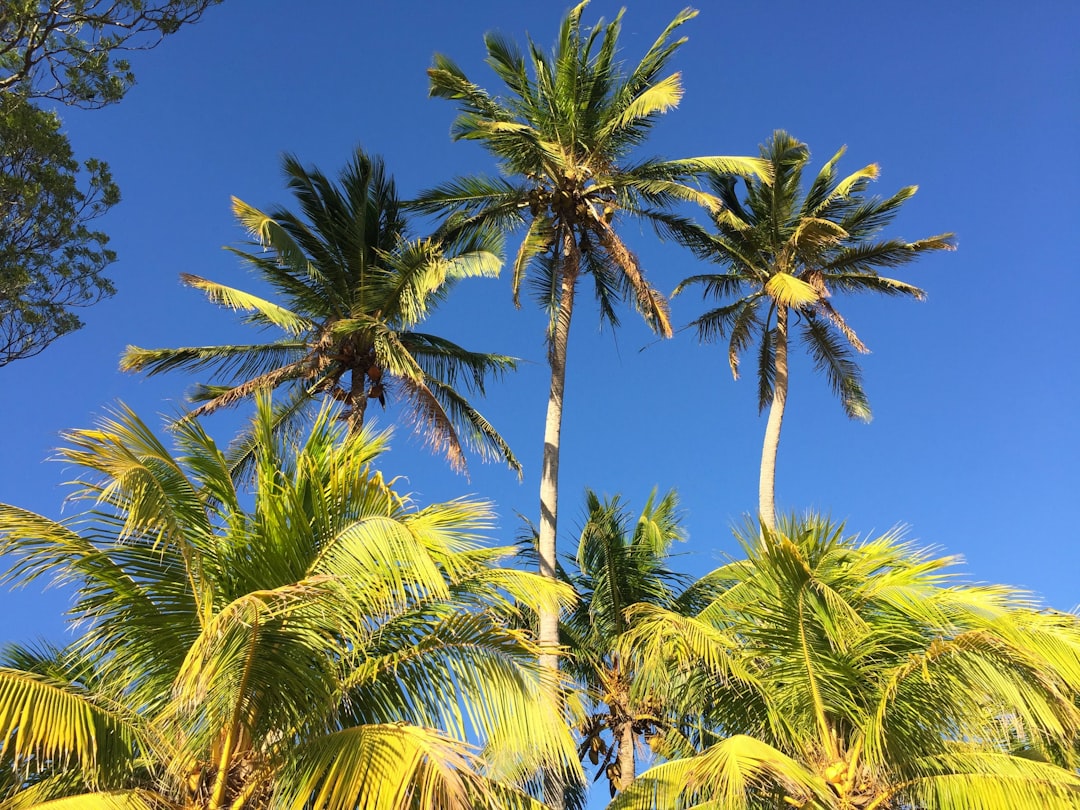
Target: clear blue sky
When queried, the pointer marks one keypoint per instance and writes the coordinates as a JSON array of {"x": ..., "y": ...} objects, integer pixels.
[{"x": 975, "y": 441}]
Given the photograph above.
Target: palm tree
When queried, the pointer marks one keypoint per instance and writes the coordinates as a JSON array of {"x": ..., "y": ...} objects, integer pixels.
[
  {"x": 562, "y": 135},
  {"x": 621, "y": 562},
  {"x": 355, "y": 289},
  {"x": 785, "y": 253},
  {"x": 843, "y": 675},
  {"x": 317, "y": 643}
]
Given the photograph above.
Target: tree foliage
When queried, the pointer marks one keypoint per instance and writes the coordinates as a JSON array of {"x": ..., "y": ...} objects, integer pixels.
[
  {"x": 833, "y": 673},
  {"x": 51, "y": 262},
  {"x": 622, "y": 562},
  {"x": 355, "y": 289},
  {"x": 66, "y": 50},
  {"x": 786, "y": 251},
  {"x": 786, "y": 248},
  {"x": 319, "y": 642},
  {"x": 62, "y": 52}
]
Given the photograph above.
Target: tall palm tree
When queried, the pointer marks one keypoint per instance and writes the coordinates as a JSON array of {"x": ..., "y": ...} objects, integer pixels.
[
  {"x": 317, "y": 643},
  {"x": 562, "y": 134},
  {"x": 354, "y": 288},
  {"x": 785, "y": 253},
  {"x": 621, "y": 562},
  {"x": 836, "y": 674}
]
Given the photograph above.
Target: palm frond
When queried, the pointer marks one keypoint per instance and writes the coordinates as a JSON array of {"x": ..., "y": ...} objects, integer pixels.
[
  {"x": 382, "y": 767},
  {"x": 731, "y": 774},
  {"x": 231, "y": 361},
  {"x": 239, "y": 300},
  {"x": 867, "y": 257},
  {"x": 103, "y": 800},
  {"x": 833, "y": 359},
  {"x": 990, "y": 781},
  {"x": 479, "y": 434},
  {"x": 47, "y": 723}
]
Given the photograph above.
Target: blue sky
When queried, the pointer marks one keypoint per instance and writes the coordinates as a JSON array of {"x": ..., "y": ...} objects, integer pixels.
[{"x": 975, "y": 442}]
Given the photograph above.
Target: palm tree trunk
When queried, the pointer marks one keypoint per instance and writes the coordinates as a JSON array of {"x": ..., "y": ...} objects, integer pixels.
[
  {"x": 767, "y": 482},
  {"x": 549, "y": 479},
  {"x": 357, "y": 399},
  {"x": 626, "y": 754}
]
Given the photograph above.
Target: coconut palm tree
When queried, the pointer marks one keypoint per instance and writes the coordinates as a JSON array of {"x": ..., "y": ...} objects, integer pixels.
[
  {"x": 621, "y": 562},
  {"x": 317, "y": 643},
  {"x": 563, "y": 133},
  {"x": 840, "y": 674},
  {"x": 785, "y": 252},
  {"x": 355, "y": 289}
]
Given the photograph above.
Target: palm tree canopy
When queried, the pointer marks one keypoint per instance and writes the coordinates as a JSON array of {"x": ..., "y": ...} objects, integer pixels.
[
  {"x": 622, "y": 562},
  {"x": 319, "y": 642},
  {"x": 837, "y": 673},
  {"x": 562, "y": 134},
  {"x": 353, "y": 289},
  {"x": 787, "y": 248}
]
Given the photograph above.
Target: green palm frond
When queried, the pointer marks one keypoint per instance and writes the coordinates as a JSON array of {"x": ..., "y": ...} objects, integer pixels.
[
  {"x": 737, "y": 773},
  {"x": 539, "y": 239},
  {"x": 861, "y": 673},
  {"x": 766, "y": 368},
  {"x": 481, "y": 437},
  {"x": 991, "y": 781},
  {"x": 450, "y": 364},
  {"x": 470, "y": 195},
  {"x": 238, "y": 645},
  {"x": 382, "y": 767},
  {"x": 290, "y": 416},
  {"x": 269, "y": 234},
  {"x": 48, "y": 723},
  {"x": 864, "y": 258},
  {"x": 231, "y": 362}
]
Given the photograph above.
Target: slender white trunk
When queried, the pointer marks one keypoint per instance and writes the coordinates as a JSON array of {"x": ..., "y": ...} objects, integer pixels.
[
  {"x": 626, "y": 755},
  {"x": 549, "y": 479},
  {"x": 767, "y": 482}
]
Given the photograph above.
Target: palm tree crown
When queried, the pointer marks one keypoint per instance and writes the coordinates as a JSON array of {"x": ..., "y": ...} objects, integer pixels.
[
  {"x": 562, "y": 134},
  {"x": 836, "y": 674},
  {"x": 319, "y": 643},
  {"x": 354, "y": 289},
  {"x": 786, "y": 252},
  {"x": 621, "y": 562}
]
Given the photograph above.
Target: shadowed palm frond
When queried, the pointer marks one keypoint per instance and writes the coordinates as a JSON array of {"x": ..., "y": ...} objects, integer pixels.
[
  {"x": 832, "y": 358},
  {"x": 353, "y": 286}
]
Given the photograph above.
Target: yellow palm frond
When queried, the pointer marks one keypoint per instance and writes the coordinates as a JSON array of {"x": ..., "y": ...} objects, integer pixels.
[
  {"x": 730, "y": 775},
  {"x": 246, "y": 302},
  {"x": 815, "y": 233},
  {"x": 383, "y": 767},
  {"x": 43, "y": 721},
  {"x": 843, "y": 188},
  {"x": 659, "y": 97},
  {"x": 104, "y": 800},
  {"x": 789, "y": 291}
]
